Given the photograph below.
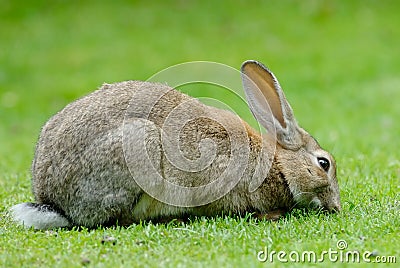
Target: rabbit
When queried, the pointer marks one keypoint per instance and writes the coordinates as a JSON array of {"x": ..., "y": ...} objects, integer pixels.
[{"x": 141, "y": 151}]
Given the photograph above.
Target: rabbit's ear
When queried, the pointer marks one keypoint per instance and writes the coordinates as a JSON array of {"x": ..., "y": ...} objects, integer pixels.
[{"x": 269, "y": 105}]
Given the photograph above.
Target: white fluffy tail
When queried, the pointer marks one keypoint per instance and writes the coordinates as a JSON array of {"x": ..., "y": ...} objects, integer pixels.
[{"x": 38, "y": 216}]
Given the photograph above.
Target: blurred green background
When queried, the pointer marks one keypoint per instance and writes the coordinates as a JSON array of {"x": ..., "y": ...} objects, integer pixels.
[{"x": 338, "y": 63}]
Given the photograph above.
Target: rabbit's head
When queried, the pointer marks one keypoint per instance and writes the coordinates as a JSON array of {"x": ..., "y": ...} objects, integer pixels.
[{"x": 309, "y": 171}]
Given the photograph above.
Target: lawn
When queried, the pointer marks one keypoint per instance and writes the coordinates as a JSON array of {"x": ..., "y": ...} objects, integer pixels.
[{"x": 338, "y": 62}]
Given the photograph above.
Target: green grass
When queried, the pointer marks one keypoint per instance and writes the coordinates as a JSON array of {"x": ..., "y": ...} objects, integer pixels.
[{"x": 338, "y": 62}]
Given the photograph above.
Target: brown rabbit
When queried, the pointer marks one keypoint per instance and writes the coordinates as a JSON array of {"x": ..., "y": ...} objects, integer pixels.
[{"x": 136, "y": 150}]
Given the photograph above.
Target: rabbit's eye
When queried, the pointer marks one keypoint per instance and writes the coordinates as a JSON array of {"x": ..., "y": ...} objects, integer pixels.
[{"x": 324, "y": 163}]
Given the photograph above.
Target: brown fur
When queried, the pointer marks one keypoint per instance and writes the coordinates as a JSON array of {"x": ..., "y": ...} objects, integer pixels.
[{"x": 83, "y": 169}]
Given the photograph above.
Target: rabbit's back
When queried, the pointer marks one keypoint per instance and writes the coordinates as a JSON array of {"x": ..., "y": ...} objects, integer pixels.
[
  {"x": 80, "y": 163},
  {"x": 79, "y": 159}
]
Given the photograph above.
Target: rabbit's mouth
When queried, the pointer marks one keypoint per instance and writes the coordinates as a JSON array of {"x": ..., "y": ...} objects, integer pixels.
[
  {"x": 309, "y": 200},
  {"x": 313, "y": 202},
  {"x": 316, "y": 203}
]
